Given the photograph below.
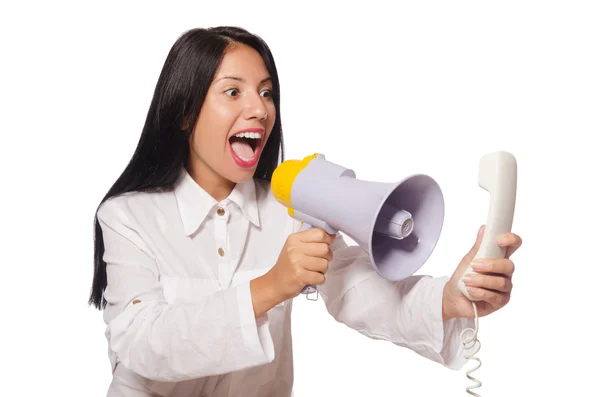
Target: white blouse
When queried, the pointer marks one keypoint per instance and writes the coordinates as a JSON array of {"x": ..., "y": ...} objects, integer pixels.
[{"x": 180, "y": 320}]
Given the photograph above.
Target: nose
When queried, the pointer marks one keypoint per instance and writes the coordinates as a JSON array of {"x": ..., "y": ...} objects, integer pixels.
[{"x": 255, "y": 108}]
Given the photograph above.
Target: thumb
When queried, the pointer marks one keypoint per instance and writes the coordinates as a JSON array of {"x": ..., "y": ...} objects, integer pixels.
[
  {"x": 466, "y": 260},
  {"x": 477, "y": 244}
]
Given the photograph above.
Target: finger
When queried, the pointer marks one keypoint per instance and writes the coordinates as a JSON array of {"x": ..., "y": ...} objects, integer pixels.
[
  {"x": 494, "y": 283},
  {"x": 503, "y": 266},
  {"x": 318, "y": 250},
  {"x": 316, "y": 235},
  {"x": 476, "y": 245},
  {"x": 319, "y": 265},
  {"x": 314, "y": 278},
  {"x": 511, "y": 241},
  {"x": 496, "y": 299}
]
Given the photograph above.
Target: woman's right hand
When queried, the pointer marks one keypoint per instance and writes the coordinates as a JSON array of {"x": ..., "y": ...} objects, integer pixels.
[{"x": 304, "y": 260}]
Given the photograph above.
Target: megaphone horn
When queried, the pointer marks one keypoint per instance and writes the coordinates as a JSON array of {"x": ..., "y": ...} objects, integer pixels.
[{"x": 398, "y": 224}]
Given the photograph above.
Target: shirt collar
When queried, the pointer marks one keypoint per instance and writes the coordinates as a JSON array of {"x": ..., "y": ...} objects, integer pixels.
[{"x": 195, "y": 203}]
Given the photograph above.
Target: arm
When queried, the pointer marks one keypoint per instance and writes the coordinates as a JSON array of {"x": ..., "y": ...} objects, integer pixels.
[
  {"x": 215, "y": 334},
  {"x": 407, "y": 313}
]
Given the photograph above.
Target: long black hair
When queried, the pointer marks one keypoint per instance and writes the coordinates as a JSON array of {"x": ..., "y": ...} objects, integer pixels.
[{"x": 163, "y": 148}]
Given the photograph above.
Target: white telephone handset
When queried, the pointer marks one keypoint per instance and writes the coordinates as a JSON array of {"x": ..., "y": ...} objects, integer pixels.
[{"x": 497, "y": 175}]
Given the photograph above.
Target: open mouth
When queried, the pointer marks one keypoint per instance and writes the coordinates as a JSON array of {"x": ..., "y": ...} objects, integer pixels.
[{"x": 245, "y": 145}]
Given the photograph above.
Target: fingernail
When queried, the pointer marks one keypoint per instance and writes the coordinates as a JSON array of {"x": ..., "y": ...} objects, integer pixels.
[
  {"x": 477, "y": 265},
  {"x": 469, "y": 279},
  {"x": 472, "y": 291}
]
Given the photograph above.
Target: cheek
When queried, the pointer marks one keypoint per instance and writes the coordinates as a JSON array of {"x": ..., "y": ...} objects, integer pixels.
[{"x": 212, "y": 131}]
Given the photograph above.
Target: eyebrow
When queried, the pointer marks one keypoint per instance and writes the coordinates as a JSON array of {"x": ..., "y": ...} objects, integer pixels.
[{"x": 242, "y": 80}]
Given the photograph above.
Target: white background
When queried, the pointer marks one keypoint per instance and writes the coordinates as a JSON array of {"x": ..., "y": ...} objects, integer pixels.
[{"x": 386, "y": 90}]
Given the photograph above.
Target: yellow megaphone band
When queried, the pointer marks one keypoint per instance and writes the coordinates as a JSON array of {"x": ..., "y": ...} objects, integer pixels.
[{"x": 284, "y": 177}]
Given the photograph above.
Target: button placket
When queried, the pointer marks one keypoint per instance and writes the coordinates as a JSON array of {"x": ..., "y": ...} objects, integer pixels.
[{"x": 221, "y": 241}]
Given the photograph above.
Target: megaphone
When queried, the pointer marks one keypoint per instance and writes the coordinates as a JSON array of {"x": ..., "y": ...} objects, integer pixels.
[{"x": 398, "y": 224}]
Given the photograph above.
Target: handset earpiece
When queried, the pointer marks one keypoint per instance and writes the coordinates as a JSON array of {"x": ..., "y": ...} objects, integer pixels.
[{"x": 497, "y": 175}]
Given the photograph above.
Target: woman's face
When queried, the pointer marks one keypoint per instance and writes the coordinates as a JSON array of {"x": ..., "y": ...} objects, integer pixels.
[{"x": 235, "y": 121}]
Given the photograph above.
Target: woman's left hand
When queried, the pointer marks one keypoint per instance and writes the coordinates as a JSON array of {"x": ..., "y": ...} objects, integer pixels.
[{"x": 492, "y": 282}]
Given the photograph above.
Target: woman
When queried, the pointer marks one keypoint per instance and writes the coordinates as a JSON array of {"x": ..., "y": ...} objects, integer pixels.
[{"x": 196, "y": 263}]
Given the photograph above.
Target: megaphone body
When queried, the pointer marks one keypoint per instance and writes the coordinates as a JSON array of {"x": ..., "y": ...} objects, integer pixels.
[{"x": 398, "y": 224}]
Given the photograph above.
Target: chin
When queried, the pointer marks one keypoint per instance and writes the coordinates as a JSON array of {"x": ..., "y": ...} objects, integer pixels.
[
  {"x": 242, "y": 170},
  {"x": 241, "y": 176}
]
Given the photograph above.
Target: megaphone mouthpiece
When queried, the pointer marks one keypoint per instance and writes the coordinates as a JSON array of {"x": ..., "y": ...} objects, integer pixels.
[{"x": 284, "y": 176}]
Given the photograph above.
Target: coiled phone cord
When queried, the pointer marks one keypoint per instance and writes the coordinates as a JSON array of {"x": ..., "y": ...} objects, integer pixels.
[{"x": 469, "y": 343}]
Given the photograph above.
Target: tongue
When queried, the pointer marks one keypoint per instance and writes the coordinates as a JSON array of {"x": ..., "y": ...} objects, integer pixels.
[{"x": 242, "y": 149}]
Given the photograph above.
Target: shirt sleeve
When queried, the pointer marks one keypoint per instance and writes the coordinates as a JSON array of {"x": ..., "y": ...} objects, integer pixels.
[
  {"x": 163, "y": 341},
  {"x": 407, "y": 313}
]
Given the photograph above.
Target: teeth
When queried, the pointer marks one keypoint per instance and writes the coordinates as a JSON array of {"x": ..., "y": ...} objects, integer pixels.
[{"x": 251, "y": 135}]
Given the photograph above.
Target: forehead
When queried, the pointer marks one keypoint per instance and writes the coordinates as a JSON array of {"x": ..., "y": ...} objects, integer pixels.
[{"x": 242, "y": 62}]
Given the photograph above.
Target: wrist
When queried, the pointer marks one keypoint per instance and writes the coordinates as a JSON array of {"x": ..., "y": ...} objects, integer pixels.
[
  {"x": 447, "y": 306},
  {"x": 264, "y": 296}
]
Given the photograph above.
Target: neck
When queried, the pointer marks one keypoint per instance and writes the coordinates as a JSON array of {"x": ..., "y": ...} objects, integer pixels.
[{"x": 215, "y": 185}]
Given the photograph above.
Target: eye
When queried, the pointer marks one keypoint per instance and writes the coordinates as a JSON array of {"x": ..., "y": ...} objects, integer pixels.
[
  {"x": 232, "y": 92},
  {"x": 269, "y": 93}
]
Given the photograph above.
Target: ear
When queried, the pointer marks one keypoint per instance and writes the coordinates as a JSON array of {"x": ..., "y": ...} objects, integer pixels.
[{"x": 185, "y": 125}]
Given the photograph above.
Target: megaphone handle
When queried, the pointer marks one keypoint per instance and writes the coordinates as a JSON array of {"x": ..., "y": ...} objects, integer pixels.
[
  {"x": 308, "y": 289},
  {"x": 312, "y": 222}
]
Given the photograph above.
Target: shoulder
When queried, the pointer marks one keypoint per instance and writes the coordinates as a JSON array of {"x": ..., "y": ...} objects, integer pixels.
[
  {"x": 133, "y": 217},
  {"x": 129, "y": 209}
]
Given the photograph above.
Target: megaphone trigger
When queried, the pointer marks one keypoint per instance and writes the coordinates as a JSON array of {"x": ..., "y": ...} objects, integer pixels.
[{"x": 310, "y": 221}]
